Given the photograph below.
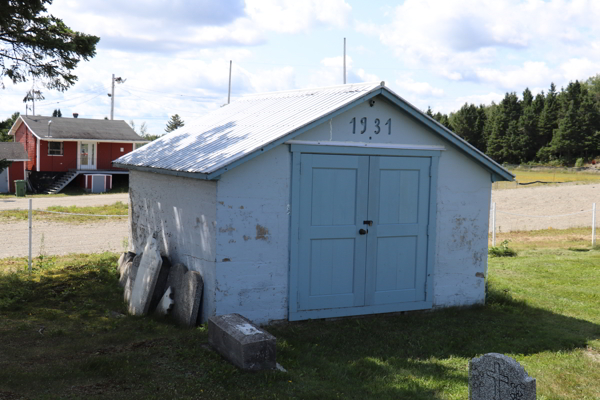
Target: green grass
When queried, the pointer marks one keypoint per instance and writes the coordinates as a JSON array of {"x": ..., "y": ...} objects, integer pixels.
[
  {"x": 118, "y": 208},
  {"x": 543, "y": 308},
  {"x": 547, "y": 175},
  {"x": 68, "y": 192}
]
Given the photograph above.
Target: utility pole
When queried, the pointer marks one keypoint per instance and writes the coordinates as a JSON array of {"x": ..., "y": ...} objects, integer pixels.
[
  {"x": 344, "y": 61},
  {"x": 112, "y": 94},
  {"x": 229, "y": 91},
  {"x": 112, "y": 98}
]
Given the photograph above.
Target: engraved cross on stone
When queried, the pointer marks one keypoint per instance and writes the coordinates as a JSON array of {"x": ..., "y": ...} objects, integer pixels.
[{"x": 498, "y": 378}]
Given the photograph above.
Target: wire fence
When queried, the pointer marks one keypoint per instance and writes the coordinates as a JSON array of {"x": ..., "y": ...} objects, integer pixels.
[
  {"x": 40, "y": 236},
  {"x": 506, "y": 221}
]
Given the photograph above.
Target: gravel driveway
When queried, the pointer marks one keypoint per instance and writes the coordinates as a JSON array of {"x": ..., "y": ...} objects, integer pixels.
[{"x": 61, "y": 238}]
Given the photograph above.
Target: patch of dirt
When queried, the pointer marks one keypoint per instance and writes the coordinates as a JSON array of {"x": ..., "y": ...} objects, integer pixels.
[{"x": 557, "y": 207}]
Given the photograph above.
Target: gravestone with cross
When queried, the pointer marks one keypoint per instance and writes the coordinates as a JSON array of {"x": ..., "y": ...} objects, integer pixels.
[{"x": 495, "y": 376}]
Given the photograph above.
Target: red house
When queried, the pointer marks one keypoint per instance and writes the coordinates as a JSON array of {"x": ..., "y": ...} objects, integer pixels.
[
  {"x": 16, "y": 154},
  {"x": 62, "y": 149}
]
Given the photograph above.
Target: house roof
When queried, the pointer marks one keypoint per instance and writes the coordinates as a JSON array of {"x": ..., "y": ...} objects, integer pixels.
[
  {"x": 13, "y": 151},
  {"x": 77, "y": 129},
  {"x": 251, "y": 125}
]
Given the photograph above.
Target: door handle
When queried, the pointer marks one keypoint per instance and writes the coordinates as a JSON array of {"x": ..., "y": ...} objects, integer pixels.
[{"x": 363, "y": 231}]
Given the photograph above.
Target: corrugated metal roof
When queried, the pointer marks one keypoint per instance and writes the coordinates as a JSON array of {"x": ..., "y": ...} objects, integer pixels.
[
  {"x": 12, "y": 151},
  {"x": 81, "y": 128},
  {"x": 241, "y": 128},
  {"x": 237, "y": 132}
]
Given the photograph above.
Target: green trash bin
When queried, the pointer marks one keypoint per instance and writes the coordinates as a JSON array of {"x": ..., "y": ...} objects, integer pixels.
[{"x": 20, "y": 188}]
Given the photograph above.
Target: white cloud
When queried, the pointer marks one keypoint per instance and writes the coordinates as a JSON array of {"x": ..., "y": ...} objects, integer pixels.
[
  {"x": 531, "y": 73},
  {"x": 419, "y": 88},
  {"x": 579, "y": 68},
  {"x": 175, "y": 25},
  {"x": 292, "y": 16},
  {"x": 470, "y": 39}
]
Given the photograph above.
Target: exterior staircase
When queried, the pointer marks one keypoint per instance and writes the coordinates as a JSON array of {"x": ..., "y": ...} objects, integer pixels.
[{"x": 61, "y": 182}]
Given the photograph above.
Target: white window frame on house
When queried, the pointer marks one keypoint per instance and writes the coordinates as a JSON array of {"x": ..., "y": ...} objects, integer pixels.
[{"x": 60, "y": 151}]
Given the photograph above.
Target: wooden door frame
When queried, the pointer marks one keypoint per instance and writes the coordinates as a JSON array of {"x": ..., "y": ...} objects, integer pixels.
[
  {"x": 95, "y": 143},
  {"x": 293, "y": 297}
]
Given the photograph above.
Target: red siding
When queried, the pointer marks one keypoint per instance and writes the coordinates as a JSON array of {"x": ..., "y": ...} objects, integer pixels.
[
  {"x": 58, "y": 163},
  {"x": 15, "y": 173},
  {"x": 24, "y": 135},
  {"x": 108, "y": 152}
]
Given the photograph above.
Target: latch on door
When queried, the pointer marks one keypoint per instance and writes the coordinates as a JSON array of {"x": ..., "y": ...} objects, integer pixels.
[
  {"x": 367, "y": 222},
  {"x": 363, "y": 231}
]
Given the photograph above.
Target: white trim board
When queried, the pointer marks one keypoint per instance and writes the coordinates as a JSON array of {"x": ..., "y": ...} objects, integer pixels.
[{"x": 369, "y": 145}]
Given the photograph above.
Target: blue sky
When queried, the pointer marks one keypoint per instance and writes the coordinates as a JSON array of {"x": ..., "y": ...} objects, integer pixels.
[{"x": 440, "y": 53}]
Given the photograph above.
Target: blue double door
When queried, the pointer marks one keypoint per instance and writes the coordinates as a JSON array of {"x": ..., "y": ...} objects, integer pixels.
[{"x": 363, "y": 233}]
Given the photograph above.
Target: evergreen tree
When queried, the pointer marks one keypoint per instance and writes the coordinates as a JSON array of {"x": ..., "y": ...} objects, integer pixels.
[
  {"x": 467, "y": 123},
  {"x": 504, "y": 143},
  {"x": 442, "y": 119},
  {"x": 174, "y": 123},
  {"x": 56, "y": 113},
  {"x": 35, "y": 44},
  {"x": 548, "y": 121},
  {"x": 5, "y": 127}
]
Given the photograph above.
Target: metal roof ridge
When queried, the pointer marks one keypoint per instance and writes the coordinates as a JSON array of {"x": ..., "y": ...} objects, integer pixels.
[{"x": 318, "y": 88}]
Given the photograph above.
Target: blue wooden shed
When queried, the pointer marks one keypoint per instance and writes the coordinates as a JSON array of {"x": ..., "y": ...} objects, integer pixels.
[{"x": 318, "y": 203}]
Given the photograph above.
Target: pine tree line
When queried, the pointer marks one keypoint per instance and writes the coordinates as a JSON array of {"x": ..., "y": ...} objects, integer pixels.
[{"x": 553, "y": 128}]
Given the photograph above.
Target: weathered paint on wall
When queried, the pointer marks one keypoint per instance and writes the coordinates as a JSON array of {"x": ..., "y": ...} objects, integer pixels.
[
  {"x": 24, "y": 135},
  {"x": 236, "y": 231},
  {"x": 108, "y": 152},
  {"x": 253, "y": 238},
  {"x": 463, "y": 198},
  {"x": 62, "y": 163},
  {"x": 182, "y": 212},
  {"x": 16, "y": 171}
]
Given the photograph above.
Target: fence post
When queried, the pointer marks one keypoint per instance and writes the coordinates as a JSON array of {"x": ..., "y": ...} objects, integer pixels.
[
  {"x": 30, "y": 206},
  {"x": 494, "y": 224},
  {"x": 593, "y": 224}
]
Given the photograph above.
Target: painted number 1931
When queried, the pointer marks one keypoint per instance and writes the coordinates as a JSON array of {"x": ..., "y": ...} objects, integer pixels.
[{"x": 377, "y": 127}]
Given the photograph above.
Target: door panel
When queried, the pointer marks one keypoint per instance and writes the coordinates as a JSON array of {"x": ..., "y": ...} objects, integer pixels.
[
  {"x": 338, "y": 266},
  {"x": 332, "y": 253},
  {"x": 397, "y": 243}
]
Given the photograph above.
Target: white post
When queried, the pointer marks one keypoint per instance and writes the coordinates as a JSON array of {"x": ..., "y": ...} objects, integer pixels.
[
  {"x": 494, "y": 224},
  {"x": 112, "y": 98},
  {"x": 30, "y": 206},
  {"x": 593, "y": 224},
  {"x": 229, "y": 90},
  {"x": 344, "y": 61}
]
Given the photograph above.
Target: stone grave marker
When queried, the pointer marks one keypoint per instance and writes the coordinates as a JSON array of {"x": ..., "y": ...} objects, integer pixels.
[
  {"x": 242, "y": 343},
  {"x": 145, "y": 281},
  {"x": 161, "y": 283},
  {"x": 125, "y": 263},
  {"x": 495, "y": 376},
  {"x": 130, "y": 275},
  {"x": 176, "y": 273},
  {"x": 188, "y": 299},
  {"x": 165, "y": 304}
]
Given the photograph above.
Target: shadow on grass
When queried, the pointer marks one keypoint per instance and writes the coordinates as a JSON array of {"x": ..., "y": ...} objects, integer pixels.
[{"x": 419, "y": 354}]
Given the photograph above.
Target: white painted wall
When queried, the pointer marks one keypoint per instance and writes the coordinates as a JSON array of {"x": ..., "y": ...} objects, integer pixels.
[
  {"x": 183, "y": 213},
  {"x": 253, "y": 238},
  {"x": 236, "y": 231},
  {"x": 463, "y": 199}
]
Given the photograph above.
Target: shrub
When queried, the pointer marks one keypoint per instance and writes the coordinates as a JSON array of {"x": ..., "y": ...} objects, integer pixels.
[
  {"x": 502, "y": 251},
  {"x": 579, "y": 163}
]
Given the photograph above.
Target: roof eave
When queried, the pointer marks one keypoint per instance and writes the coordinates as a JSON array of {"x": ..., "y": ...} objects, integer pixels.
[
  {"x": 496, "y": 169},
  {"x": 193, "y": 175}
]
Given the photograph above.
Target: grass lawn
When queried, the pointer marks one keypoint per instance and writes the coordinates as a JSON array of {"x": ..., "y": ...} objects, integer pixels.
[
  {"x": 118, "y": 208},
  {"x": 68, "y": 191},
  {"x": 547, "y": 175},
  {"x": 543, "y": 309}
]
